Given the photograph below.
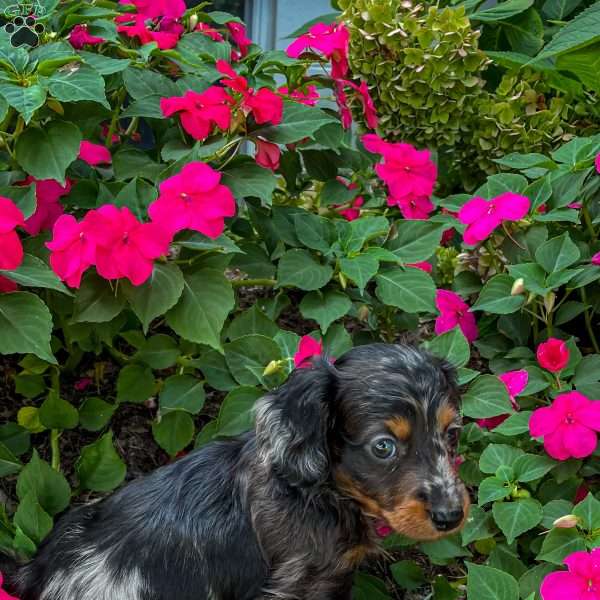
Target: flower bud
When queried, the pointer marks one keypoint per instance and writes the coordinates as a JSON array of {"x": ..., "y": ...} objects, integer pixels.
[
  {"x": 193, "y": 22},
  {"x": 566, "y": 522},
  {"x": 518, "y": 287},
  {"x": 549, "y": 300},
  {"x": 273, "y": 367},
  {"x": 363, "y": 312}
]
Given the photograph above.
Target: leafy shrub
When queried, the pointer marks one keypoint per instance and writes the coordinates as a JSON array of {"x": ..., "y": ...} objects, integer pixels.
[{"x": 131, "y": 278}]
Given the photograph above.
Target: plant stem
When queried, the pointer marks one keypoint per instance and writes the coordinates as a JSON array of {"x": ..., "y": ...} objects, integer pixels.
[
  {"x": 55, "y": 449},
  {"x": 253, "y": 282},
  {"x": 588, "y": 222},
  {"x": 588, "y": 322}
]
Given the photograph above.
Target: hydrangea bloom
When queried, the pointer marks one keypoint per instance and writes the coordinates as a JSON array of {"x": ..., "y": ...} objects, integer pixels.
[
  {"x": 6, "y": 286},
  {"x": 267, "y": 154},
  {"x": 80, "y": 36},
  {"x": 152, "y": 9},
  {"x": 410, "y": 174},
  {"x": 11, "y": 249},
  {"x": 94, "y": 154},
  {"x": 553, "y": 355},
  {"x": 48, "y": 193},
  {"x": 310, "y": 96},
  {"x": 454, "y": 311},
  {"x": 72, "y": 251},
  {"x": 483, "y": 216},
  {"x": 200, "y": 113},
  {"x": 568, "y": 426},
  {"x": 125, "y": 247},
  {"x": 307, "y": 348},
  {"x": 580, "y": 582},
  {"x": 193, "y": 199},
  {"x": 331, "y": 40}
]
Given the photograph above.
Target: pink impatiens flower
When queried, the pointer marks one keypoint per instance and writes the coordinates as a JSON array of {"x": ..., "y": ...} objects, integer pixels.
[
  {"x": 310, "y": 97},
  {"x": 200, "y": 113},
  {"x": 11, "y": 249},
  {"x": 7, "y": 285},
  {"x": 209, "y": 31},
  {"x": 410, "y": 174},
  {"x": 125, "y": 247},
  {"x": 568, "y": 426},
  {"x": 423, "y": 266},
  {"x": 364, "y": 96},
  {"x": 492, "y": 422},
  {"x": 342, "y": 101},
  {"x": 5, "y": 595},
  {"x": 166, "y": 32},
  {"x": 483, "y": 216},
  {"x": 266, "y": 106},
  {"x": 596, "y": 259},
  {"x": 48, "y": 193},
  {"x": 94, "y": 154},
  {"x": 515, "y": 382},
  {"x": 331, "y": 40},
  {"x": 193, "y": 199},
  {"x": 352, "y": 212},
  {"x": 267, "y": 155},
  {"x": 152, "y": 9},
  {"x": 413, "y": 207},
  {"x": 597, "y": 163},
  {"x": 307, "y": 348},
  {"x": 80, "y": 36},
  {"x": 553, "y": 355},
  {"x": 454, "y": 311},
  {"x": 238, "y": 35},
  {"x": 580, "y": 582},
  {"x": 72, "y": 250}
]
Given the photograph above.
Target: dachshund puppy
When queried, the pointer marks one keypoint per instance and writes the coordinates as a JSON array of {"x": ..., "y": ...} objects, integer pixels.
[{"x": 287, "y": 511}]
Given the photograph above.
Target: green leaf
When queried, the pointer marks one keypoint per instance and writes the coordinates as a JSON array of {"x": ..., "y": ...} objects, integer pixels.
[
  {"x": 250, "y": 321},
  {"x": 215, "y": 369},
  {"x": 410, "y": 289},
  {"x": 105, "y": 65},
  {"x": 46, "y": 153},
  {"x": 554, "y": 510},
  {"x": 248, "y": 356},
  {"x": 559, "y": 543},
  {"x": 588, "y": 510},
  {"x": 174, "y": 431},
  {"x": 145, "y": 82},
  {"x": 496, "y": 298},
  {"x": 587, "y": 371},
  {"x": 300, "y": 269},
  {"x": 32, "y": 519},
  {"x": 583, "y": 30},
  {"x": 525, "y": 32},
  {"x": 360, "y": 231},
  {"x": 96, "y": 301},
  {"x": 207, "y": 433},
  {"x": 530, "y": 581},
  {"x": 416, "y": 240},
  {"x": 360, "y": 269},
  {"x": 99, "y": 467},
  {"x": 182, "y": 392},
  {"x": 490, "y": 489},
  {"x": 486, "y": 397},
  {"x": 299, "y": 121},
  {"x": 9, "y": 463},
  {"x": 315, "y": 232},
  {"x": 135, "y": 384},
  {"x": 502, "y": 11},
  {"x": 159, "y": 352},
  {"x": 56, "y": 413},
  {"x": 369, "y": 587},
  {"x": 155, "y": 297},
  {"x": 236, "y": 412},
  {"x": 249, "y": 180},
  {"x": 498, "y": 455},
  {"x": 557, "y": 253},
  {"x": 145, "y": 107},
  {"x": 530, "y": 467},
  {"x": 16, "y": 438},
  {"x": 206, "y": 301},
  {"x": 490, "y": 584},
  {"x": 34, "y": 272},
  {"x": 478, "y": 525},
  {"x": 515, "y": 160},
  {"x": 25, "y": 100},
  {"x": 74, "y": 84},
  {"x": 408, "y": 574},
  {"x": 47, "y": 485},
  {"x": 451, "y": 346},
  {"x": 22, "y": 196},
  {"x": 504, "y": 182},
  {"x": 516, "y": 424},
  {"x": 95, "y": 413},
  {"x": 325, "y": 307},
  {"x": 26, "y": 325},
  {"x": 534, "y": 277}
]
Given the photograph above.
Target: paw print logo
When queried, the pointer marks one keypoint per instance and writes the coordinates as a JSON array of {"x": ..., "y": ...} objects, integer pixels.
[{"x": 24, "y": 31}]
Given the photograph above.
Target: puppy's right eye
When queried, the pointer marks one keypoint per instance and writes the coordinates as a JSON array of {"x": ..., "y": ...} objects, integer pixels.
[{"x": 384, "y": 448}]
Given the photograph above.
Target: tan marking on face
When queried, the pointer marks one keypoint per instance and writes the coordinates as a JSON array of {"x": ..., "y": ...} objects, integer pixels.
[
  {"x": 369, "y": 505},
  {"x": 354, "y": 556},
  {"x": 400, "y": 427},
  {"x": 445, "y": 416}
]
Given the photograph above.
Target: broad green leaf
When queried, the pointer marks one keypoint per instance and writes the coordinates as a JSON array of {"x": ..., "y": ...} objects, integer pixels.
[
  {"x": 502, "y": 11},
  {"x": 516, "y": 424},
  {"x": 95, "y": 413},
  {"x": 182, "y": 392},
  {"x": 105, "y": 65},
  {"x": 369, "y": 587},
  {"x": 174, "y": 431},
  {"x": 478, "y": 525},
  {"x": 135, "y": 384},
  {"x": 207, "y": 433},
  {"x": 250, "y": 321},
  {"x": 525, "y": 32},
  {"x": 100, "y": 468},
  {"x": 490, "y": 489},
  {"x": 22, "y": 196},
  {"x": 588, "y": 510},
  {"x": 486, "y": 397},
  {"x": 325, "y": 307},
  {"x": 490, "y": 584},
  {"x": 360, "y": 231},
  {"x": 248, "y": 356},
  {"x": 56, "y": 413},
  {"x": 46, "y": 153},
  {"x": 159, "y": 352},
  {"x": 47, "y": 485},
  {"x": 445, "y": 548},
  {"x": 496, "y": 298},
  {"x": 249, "y": 180},
  {"x": 530, "y": 582},
  {"x": 203, "y": 307},
  {"x": 145, "y": 82},
  {"x": 33, "y": 520},
  {"x": 452, "y": 346},
  {"x": 337, "y": 341},
  {"x": 504, "y": 182},
  {"x": 236, "y": 412},
  {"x": 97, "y": 301},
  {"x": 26, "y": 326},
  {"x": 16, "y": 438},
  {"x": 416, "y": 240},
  {"x": 360, "y": 269},
  {"x": 559, "y": 9},
  {"x": 155, "y": 297},
  {"x": 215, "y": 370},
  {"x": 74, "y": 84},
  {"x": 315, "y": 232},
  {"x": 554, "y": 510},
  {"x": 410, "y": 289},
  {"x": 514, "y": 160},
  {"x": 299, "y": 121},
  {"x": 300, "y": 269},
  {"x": 408, "y": 574},
  {"x": 25, "y": 100},
  {"x": 559, "y": 543},
  {"x": 557, "y": 253},
  {"x": 34, "y": 272},
  {"x": 530, "y": 467},
  {"x": 9, "y": 463},
  {"x": 145, "y": 107},
  {"x": 498, "y": 455}
]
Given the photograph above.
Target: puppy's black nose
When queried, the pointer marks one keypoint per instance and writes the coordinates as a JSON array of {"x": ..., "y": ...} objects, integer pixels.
[{"x": 447, "y": 519}]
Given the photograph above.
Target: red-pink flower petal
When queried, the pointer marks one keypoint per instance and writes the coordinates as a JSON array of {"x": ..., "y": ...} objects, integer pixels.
[
  {"x": 267, "y": 155},
  {"x": 94, "y": 154},
  {"x": 596, "y": 259},
  {"x": 515, "y": 381},
  {"x": 578, "y": 440},
  {"x": 597, "y": 163},
  {"x": 151, "y": 9},
  {"x": 553, "y": 355},
  {"x": 307, "y": 348},
  {"x": 80, "y": 36},
  {"x": 544, "y": 421},
  {"x": 562, "y": 585},
  {"x": 11, "y": 216},
  {"x": 266, "y": 106},
  {"x": 555, "y": 446},
  {"x": 511, "y": 207},
  {"x": 11, "y": 251},
  {"x": 7, "y": 286}
]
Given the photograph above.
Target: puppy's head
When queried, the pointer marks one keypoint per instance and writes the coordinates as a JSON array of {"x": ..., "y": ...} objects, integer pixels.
[{"x": 383, "y": 424}]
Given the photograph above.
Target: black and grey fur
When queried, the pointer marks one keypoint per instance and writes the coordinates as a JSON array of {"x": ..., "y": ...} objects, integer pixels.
[{"x": 263, "y": 516}]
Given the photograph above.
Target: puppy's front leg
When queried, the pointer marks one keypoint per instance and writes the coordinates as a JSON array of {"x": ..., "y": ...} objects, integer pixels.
[{"x": 309, "y": 586}]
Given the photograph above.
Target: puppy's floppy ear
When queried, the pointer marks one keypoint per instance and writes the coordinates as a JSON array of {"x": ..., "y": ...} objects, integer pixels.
[{"x": 292, "y": 424}]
